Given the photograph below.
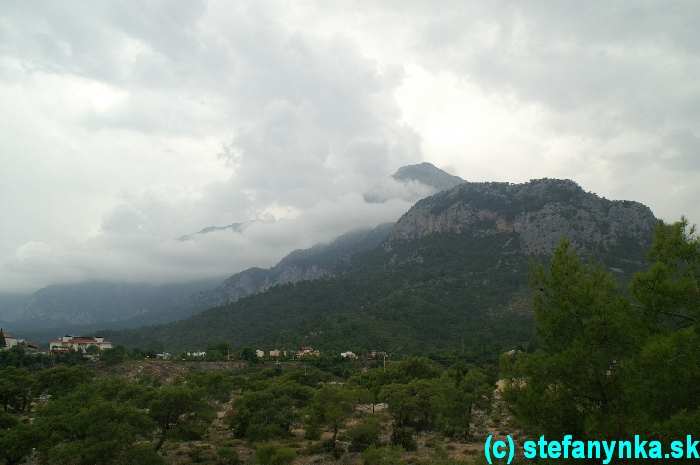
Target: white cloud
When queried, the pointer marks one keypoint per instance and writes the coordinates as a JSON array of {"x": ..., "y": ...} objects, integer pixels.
[{"x": 122, "y": 130}]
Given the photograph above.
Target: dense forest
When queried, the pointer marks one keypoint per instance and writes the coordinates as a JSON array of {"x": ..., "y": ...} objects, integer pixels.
[{"x": 607, "y": 360}]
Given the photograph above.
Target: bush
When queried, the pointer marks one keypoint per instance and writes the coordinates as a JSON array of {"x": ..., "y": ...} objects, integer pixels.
[
  {"x": 114, "y": 356},
  {"x": 404, "y": 437},
  {"x": 382, "y": 456},
  {"x": 227, "y": 456},
  {"x": 271, "y": 455},
  {"x": 364, "y": 435},
  {"x": 143, "y": 455},
  {"x": 312, "y": 432}
]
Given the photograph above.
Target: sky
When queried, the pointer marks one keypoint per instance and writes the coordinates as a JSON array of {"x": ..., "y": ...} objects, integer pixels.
[{"x": 126, "y": 125}]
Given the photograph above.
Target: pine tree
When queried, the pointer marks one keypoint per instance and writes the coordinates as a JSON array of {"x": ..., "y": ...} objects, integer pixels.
[{"x": 3, "y": 343}]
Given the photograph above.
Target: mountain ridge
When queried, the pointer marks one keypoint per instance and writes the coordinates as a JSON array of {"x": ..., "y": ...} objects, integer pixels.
[{"x": 454, "y": 267}]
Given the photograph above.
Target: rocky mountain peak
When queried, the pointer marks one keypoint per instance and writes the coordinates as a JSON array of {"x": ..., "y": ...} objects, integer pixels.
[
  {"x": 540, "y": 213},
  {"x": 428, "y": 174}
]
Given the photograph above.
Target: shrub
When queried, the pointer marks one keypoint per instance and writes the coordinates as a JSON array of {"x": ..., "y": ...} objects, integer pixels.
[
  {"x": 143, "y": 455},
  {"x": 227, "y": 456},
  {"x": 312, "y": 432},
  {"x": 404, "y": 437},
  {"x": 364, "y": 435},
  {"x": 382, "y": 456},
  {"x": 271, "y": 455}
]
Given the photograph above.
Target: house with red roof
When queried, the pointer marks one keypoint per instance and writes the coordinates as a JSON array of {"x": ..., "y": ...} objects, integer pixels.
[{"x": 78, "y": 343}]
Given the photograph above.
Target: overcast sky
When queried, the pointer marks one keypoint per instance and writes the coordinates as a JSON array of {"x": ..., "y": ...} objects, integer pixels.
[{"x": 125, "y": 125}]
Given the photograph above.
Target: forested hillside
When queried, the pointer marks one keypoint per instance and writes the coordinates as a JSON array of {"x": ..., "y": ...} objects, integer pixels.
[{"x": 452, "y": 275}]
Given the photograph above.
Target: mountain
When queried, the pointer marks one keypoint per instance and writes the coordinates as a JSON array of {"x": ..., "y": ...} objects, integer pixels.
[
  {"x": 452, "y": 274},
  {"x": 323, "y": 260},
  {"x": 412, "y": 182},
  {"x": 540, "y": 213},
  {"x": 427, "y": 174},
  {"x": 12, "y": 306},
  {"x": 319, "y": 261},
  {"x": 108, "y": 304}
]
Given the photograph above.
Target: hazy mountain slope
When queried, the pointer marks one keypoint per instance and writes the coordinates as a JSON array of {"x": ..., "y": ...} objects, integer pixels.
[
  {"x": 104, "y": 303},
  {"x": 453, "y": 273},
  {"x": 322, "y": 260},
  {"x": 319, "y": 261},
  {"x": 12, "y": 306}
]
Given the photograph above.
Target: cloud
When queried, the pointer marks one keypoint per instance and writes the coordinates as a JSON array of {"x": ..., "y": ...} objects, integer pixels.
[
  {"x": 194, "y": 116},
  {"x": 126, "y": 128}
]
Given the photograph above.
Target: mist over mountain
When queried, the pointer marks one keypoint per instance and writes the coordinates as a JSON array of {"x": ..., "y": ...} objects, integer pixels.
[
  {"x": 12, "y": 306},
  {"x": 95, "y": 305},
  {"x": 324, "y": 260},
  {"x": 233, "y": 227},
  {"x": 319, "y": 261},
  {"x": 428, "y": 174},
  {"x": 452, "y": 272},
  {"x": 412, "y": 182},
  {"x": 105, "y": 304}
]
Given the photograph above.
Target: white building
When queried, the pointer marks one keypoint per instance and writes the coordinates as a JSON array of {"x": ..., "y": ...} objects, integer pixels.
[
  {"x": 275, "y": 353},
  {"x": 78, "y": 343},
  {"x": 259, "y": 353},
  {"x": 10, "y": 340},
  {"x": 308, "y": 352},
  {"x": 197, "y": 354},
  {"x": 348, "y": 355}
]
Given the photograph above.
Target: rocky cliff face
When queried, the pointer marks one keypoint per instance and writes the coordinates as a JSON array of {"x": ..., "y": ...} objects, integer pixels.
[{"x": 541, "y": 212}]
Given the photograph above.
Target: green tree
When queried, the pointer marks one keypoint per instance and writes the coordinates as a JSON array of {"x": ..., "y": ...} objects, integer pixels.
[
  {"x": 331, "y": 405},
  {"x": 364, "y": 434},
  {"x": 92, "y": 350},
  {"x": 458, "y": 398},
  {"x": 669, "y": 291},
  {"x": 16, "y": 388},
  {"x": 3, "y": 342},
  {"x": 227, "y": 456},
  {"x": 62, "y": 380},
  {"x": 83, "y": 428},
  {"x": 114, "y": 356},
  {"x": 383, "y": 456},
  {"x": 269, "y": 409},
  {"x": 610, "y": 364},
  {"x": 412, "y": 405},
  {"x": 173, "y": 407},
  {"x": 585, "y": 328},
  {"x": 216, "y": 385},
  {"x": 16, "y": 443},
  {"x": 248, "y": 355},
  {"x": 371, "y": 382},
  {"x": 273, "y": 455},
  {"x": 664, "y": 379}
]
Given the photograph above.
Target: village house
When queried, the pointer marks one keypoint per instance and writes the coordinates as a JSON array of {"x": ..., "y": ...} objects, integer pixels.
[
  {"x": 308, "y": 352},
  {"x": 275, "y": 353},
  {"x": 348, "y": 355},
  {"x": 10, "y": 340},
  {"x": 260, "y": 353},
  {"x": 196, "y": 354},
  {"x": 376, "y": 355},
  {"x": 78, "y": 343}
]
